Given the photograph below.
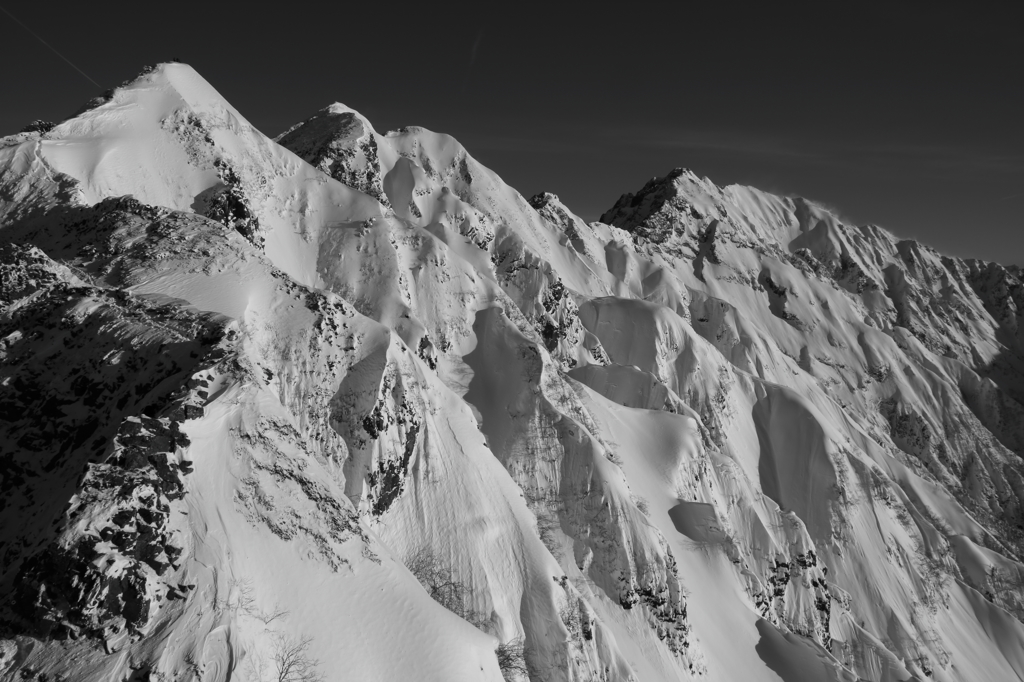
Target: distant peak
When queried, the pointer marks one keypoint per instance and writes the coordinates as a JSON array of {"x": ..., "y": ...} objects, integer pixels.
[
  {"x": 539, "y": 201},
  {"x": 671, "y": 178},
  {"x": 343, "y": 112},
  {"x": 333, "y": 123},
  {"x": 674, "y": 189},
  {"x": 338, "y": 108},
  {"x": 677, "y": 172},
  {"x": 339, "y": 141}
]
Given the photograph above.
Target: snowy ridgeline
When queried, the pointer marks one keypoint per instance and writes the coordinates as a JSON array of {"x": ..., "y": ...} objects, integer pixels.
[{"x": 345, "y": 406}]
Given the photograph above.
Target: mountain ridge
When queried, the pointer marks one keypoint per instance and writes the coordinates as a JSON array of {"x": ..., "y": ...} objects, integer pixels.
[{"x": 717, "y": 434}]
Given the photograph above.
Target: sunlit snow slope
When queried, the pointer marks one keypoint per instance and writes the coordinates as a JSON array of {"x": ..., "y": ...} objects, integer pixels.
[{"x": 343, "y": 405}]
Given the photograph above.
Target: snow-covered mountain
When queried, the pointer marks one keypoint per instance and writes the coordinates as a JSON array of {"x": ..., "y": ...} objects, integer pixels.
[{"x": 343, "y": 405}]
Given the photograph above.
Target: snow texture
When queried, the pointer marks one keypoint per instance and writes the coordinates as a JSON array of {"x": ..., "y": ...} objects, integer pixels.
[{"x": 344, "y": 405}]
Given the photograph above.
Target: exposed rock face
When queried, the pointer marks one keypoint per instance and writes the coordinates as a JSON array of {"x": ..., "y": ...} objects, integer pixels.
[
  {"x": 102, "y": 433},
  {"x": 1002, "y": 291},
  {"x": 244, "y": 381},
  {"x": 108, "y": 584},
  {"x": 342, "y": 144},
  {"x": 229, "y": 206}
]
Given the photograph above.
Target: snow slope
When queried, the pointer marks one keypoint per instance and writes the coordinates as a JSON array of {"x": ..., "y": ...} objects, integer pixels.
[{"x": 346, "y": 405}]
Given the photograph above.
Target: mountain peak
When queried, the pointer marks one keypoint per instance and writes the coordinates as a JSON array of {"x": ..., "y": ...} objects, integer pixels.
[
  {"x": 334, "y": 120},
  {"x": 539, "y": 201},
  {"x": 348, "y": 403},
  {"x": 340, "y": 142},
  {"x": 671, "y": 199}
]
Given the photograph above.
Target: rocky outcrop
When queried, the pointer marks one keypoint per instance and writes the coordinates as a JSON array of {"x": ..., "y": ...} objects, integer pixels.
[
  {"x": 574, "y": 487},
  {"x": 1001, "y": 289},
  {"x": 342, "y": 144},
  {"x": 94, "y": 456}
]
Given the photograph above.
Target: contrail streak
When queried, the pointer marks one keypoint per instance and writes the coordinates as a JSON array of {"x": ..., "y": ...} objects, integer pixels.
[
  {"x": 476, "y": 47},
  {"x": 34, "y": 35}
]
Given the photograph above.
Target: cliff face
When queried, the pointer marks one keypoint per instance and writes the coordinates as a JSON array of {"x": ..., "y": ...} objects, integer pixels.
[{"x": 347, "y": 399}]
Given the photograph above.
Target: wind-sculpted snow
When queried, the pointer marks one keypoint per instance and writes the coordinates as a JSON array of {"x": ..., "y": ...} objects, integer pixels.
[
  {"x": 347, "y": 399},
  {"x": 572, "y": 485}
]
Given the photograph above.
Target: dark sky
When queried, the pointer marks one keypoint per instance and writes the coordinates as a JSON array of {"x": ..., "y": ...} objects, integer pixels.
[{"x": 908, "y": 116}]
